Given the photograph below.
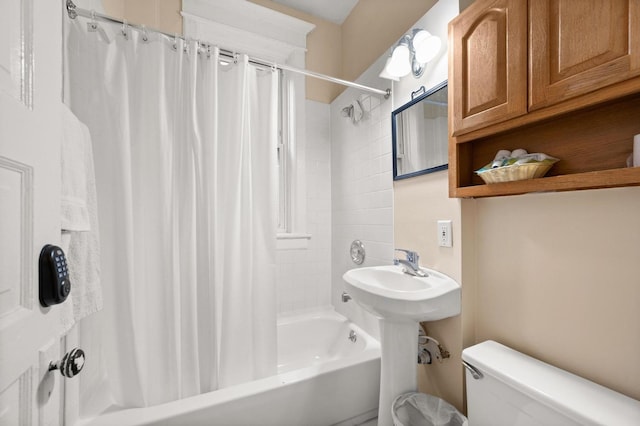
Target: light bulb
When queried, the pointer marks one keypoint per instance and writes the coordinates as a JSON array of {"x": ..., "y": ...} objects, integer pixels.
[
  {"x": 400, "y": 64},
  {"x": 419, "y": 36},
  {"x": 426, "y": 46},
  {"x": 385, "y": 74}
]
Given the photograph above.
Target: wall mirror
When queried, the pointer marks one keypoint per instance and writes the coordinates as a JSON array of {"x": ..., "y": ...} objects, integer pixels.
[{"x": 420, "y": 135}]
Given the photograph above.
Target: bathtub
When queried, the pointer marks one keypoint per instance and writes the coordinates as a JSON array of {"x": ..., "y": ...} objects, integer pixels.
[{"x": 324, "y": 378}]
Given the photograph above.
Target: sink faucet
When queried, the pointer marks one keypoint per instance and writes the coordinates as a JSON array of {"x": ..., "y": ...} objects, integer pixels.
[{"x": 411, "y": 263}]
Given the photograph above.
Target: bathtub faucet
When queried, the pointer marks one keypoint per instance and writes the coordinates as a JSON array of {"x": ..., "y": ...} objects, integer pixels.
[{"x": 411, "y": 263}]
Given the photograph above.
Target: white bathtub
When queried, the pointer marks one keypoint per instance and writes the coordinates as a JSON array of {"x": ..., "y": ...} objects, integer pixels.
[{"x": 323, "y": 379}]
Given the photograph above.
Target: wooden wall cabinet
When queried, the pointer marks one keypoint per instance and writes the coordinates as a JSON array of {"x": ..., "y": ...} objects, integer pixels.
[
  {"x": 555, "y": 76},
  {"x": 489, "y": 66},
  {"x": 578, "y": 46}
]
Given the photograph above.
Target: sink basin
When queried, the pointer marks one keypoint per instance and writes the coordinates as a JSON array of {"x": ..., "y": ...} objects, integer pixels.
[
  {"x": 400, "y": 301},
  {"x": 388, "y": 292}
]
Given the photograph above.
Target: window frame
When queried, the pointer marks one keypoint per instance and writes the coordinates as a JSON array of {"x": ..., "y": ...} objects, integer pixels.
[{"x": 291, "y": 165}]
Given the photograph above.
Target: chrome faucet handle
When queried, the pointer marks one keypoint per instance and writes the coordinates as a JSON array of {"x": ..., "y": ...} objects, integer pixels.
[
  {"x": 412, "y": 256},
  {"x": 412, "y": 265}
]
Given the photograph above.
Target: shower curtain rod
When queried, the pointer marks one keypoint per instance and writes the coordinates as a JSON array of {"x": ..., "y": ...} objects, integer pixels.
[{"x": 73, "y": 11}]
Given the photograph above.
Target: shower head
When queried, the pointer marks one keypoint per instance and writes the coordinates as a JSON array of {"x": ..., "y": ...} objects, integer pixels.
[
  {"x": 347, "y": 111},
  {"x": 355, "y": 111},
  {"x": 358, "y": 111}
]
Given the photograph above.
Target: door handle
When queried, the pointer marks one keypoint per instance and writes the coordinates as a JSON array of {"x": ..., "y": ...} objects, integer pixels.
[{"x": 71, "y": 363}]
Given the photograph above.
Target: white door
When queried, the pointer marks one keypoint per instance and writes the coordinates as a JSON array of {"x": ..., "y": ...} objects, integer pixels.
[{"x": 30, "y": 101}]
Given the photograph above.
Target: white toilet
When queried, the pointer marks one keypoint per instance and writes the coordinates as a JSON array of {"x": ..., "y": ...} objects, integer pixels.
[{"x": 506, "y": 387}]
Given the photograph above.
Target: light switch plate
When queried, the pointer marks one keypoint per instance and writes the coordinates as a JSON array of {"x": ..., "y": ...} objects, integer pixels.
[{"x": 444, "y": 233}]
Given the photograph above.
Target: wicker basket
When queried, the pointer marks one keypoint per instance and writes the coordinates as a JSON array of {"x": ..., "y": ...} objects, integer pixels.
[{"x": 515, "y": 172}]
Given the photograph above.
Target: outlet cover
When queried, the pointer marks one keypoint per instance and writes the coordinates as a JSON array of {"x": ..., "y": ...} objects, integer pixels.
[{"x": 444, "y": 233}]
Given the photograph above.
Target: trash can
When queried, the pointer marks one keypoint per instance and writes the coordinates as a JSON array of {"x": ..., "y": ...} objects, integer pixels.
[{"x": 419, "y": 409}]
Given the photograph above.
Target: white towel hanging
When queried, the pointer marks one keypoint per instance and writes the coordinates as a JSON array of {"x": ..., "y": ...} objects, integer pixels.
[{"x": 79, "y": 212}]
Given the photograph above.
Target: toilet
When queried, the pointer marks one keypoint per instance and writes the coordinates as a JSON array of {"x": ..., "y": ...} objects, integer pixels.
[{"x": 506, "y": 387}]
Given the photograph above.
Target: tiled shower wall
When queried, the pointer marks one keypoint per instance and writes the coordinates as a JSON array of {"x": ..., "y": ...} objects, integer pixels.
[
  {"x": 349, "y": 197},
  {"x": 304, "y": 275},
  {"x": 362, "y": 180},
  {"x": 361, "y": 187}
]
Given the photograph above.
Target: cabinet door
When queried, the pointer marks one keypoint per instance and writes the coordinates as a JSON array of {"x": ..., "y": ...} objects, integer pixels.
[
  {"x": 578, "y": 46},
  {"x": 488, "y": 64}
]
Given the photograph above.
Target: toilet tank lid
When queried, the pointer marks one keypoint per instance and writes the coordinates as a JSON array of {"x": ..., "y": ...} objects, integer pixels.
[{"x": 580, "y": 399}]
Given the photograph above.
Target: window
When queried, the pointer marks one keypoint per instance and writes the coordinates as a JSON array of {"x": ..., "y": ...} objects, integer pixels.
[
  {"x": 284, "y": 162},
  {"x": 291, "y": 182}
]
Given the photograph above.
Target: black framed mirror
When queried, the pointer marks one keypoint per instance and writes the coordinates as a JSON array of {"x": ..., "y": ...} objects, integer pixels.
[{"x": 420, "y": 134}]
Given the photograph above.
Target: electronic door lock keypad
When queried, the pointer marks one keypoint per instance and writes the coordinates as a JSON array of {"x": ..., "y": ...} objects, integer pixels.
[{"x": 55, "y": 285}]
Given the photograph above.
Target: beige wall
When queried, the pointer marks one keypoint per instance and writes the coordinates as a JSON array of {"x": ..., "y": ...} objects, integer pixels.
[
  {"x": 554, "y": 276},
  {"x": 163, "y": 15},
  {"x": 464, "y": 4},
  {"x": 373, "y": 27},
  {"x": 418, "y": 203},
  {"x": 324, "y": 52},
  {"x": 114, "y": 8},
  {"x": 558, "y": 278}
]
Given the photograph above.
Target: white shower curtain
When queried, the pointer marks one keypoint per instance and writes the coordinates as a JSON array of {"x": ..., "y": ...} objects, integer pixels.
[{"x": 185, "y": 152}]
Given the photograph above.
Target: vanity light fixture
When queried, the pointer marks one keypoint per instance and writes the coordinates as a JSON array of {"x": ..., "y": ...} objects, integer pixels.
[{"x": 411, "y": 54}]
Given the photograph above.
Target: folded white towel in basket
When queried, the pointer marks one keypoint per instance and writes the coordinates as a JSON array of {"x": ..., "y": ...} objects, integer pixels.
[{"x": 80, "y": 238}]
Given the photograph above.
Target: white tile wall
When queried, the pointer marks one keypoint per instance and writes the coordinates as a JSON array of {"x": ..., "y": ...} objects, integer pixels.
[
  {"x": 361, "y": 187},
  {"x": 349, "y": 196},
  {"x": 304, "y": 275}
]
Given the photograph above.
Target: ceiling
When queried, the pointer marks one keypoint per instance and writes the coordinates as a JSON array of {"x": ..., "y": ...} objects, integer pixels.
[{"x": 335, "y": 11}]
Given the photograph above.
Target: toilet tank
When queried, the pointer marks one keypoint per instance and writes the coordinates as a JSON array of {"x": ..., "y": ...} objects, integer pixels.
[{"x": 517, "y": 390}]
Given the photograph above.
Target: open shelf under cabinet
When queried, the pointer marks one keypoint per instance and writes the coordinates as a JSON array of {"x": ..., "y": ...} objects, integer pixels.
[{"x": 593, "y": 145}]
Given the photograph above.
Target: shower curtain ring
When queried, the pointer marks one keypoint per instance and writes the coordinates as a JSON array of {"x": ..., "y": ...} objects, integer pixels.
[
  {"x": 93, "y": 25},
  {"x": 174, "y": 46},
  {"x": 145, "y": 35},
  {"x": 125, "y": 29}
]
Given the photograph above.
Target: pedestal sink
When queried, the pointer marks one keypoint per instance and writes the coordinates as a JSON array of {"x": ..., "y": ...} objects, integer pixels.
[{"x": 401, "y": 301}]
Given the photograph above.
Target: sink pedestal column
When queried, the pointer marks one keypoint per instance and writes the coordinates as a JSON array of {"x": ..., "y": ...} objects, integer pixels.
[{"x": 399, "y": 354}]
